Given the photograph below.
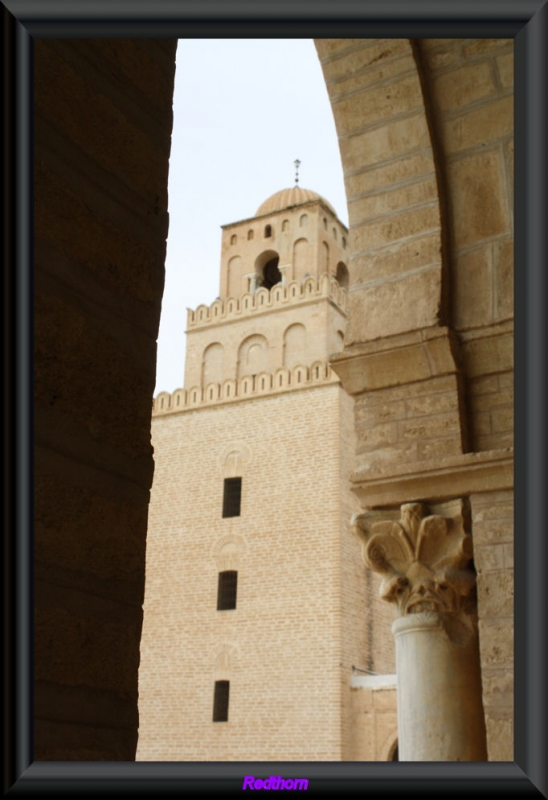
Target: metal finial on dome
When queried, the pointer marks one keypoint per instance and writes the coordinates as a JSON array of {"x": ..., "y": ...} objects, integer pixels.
[{"x": 297, "y": 165}]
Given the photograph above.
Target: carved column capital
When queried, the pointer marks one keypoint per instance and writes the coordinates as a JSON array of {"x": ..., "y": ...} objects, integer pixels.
[{"x": 425, "y": 559}]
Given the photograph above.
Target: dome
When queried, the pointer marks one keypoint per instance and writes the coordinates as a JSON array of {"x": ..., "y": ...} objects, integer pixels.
[{"x": 288, "y": 198}]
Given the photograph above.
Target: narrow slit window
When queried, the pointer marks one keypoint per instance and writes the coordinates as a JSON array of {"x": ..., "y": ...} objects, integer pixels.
[
  {"x": 220, "y": 701},
  {"x": 227, "y": 590},
  {"x": 232, "y": 496}
]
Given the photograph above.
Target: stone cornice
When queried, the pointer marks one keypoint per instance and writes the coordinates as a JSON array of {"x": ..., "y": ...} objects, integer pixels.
[
  {"x": 435, "y": 481},
  {"x": 397, "y": 360}
]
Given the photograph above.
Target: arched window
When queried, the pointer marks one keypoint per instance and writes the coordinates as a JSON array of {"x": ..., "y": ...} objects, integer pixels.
[
  {"x": 266, "y": 266},
  {"x": 271, "y": 273},
  {"x": 267, "y": 231},
  {"x": 303, "y": 222},
  {"x": 324, "y": 224},
  {"x": 233, "y": 239},
  {"x": 285, "y": 225},
  {"x": 250, "y": 235}
]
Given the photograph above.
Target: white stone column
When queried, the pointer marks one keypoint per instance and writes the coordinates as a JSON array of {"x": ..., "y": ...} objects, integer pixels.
[{"x": 425, "y": 560}]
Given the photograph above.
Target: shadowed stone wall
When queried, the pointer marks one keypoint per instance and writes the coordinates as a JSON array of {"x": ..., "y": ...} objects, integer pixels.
[{"x": 102, "y": 139}]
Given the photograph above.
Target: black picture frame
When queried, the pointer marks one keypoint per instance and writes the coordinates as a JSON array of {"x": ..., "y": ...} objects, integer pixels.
[{"x": 526, "y": 21}]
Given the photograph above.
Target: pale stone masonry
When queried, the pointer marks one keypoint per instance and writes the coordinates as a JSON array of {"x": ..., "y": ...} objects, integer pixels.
[
  {"x": 260, "y": 403},
  {"x": 426, "y": 140}
]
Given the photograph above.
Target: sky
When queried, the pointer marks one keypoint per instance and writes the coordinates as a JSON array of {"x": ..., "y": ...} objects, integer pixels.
[{"x": 244, "y": 110}]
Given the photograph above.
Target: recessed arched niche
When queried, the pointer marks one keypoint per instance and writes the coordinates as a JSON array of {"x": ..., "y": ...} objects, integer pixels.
[
  {"x": 212, "y": 364},
  {"x": 294, "y": 348},
  {"x": 253, "y": 356},
  {"x": 342, "y": 274}
]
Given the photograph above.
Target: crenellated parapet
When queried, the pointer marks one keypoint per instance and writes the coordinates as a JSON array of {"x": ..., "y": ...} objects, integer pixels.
[
  {"x": 264, "y": 300},
  {"x": 246, "y": 388}
]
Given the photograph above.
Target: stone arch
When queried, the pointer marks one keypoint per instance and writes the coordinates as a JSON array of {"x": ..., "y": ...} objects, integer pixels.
[
  {"x": 253, "y": 356},
  {"x": 213, "y": 364}
]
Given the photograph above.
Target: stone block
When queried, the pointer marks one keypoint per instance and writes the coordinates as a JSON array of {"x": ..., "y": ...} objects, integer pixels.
[
  {"x": 496, "y": 594},
  {"x": 500, "y": 738},
  {"x": 438, "y": 44},
  {"x": 431, "y": 450},
  {"x": 460, "y": 87},
  {"x": 478, "y": 204},
  {"x": 504, "y": 276},
  {"x": 422, "y": 191},
  {"x": 379, "y": 436},
  {"x": 473, "y": 282},
  {"x": 496, "y": 642},
  {"x": 332, "y": 48},
  {"x": 367, "y": 416},
  {"x": 385, "y": 143},
  {"x": 493, "y": 531},
  {"x": 432, "y": 404},
  {"x": 505, "y": 67},
  {"x": 381, "y": 71},
  {"x": 489, "y": 122},
  {"x": 368, "y": 236},
  {"x": 489, "y": 558},
  {"x": 480, "y": 46},
  {"x": 403, "y": 256},
  {"x": 403, "y": 169},
  {"x": 484, "y": 385},
  {"x": 489, "y": 355},
  {"x": 413, "y": 302},
  {"x": 431, "y": 427},
  {"x": 362, "y": 59},
  {"x": 498, "y": 689},
  {"x": 488, "y": 503},
  {"x": 481, "y": 423},
  {"x": 502, "y": 419},
  {"x": 495, "y": 441},
  {"x": 488, "y": 402},
  {"x": 442, "y": 59},
  {"x": 377, "y": 104}
]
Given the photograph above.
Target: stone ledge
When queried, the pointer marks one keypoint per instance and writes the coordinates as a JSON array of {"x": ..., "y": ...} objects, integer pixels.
[{"x": 433, "y": 481}]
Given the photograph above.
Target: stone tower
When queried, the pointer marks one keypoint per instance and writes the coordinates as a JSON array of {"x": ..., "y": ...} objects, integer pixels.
[{"x": 258, "y": 607}]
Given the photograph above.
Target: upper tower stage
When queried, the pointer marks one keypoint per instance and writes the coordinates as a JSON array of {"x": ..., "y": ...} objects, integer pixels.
[{"x": 294, "y": 235}]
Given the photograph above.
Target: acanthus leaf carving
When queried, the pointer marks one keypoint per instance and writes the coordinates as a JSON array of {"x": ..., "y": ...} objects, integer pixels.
[{"x": 425, "y": 559}]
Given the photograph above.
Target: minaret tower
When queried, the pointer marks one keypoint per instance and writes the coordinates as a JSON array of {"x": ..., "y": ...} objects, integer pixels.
[{"x": 255, "y": 606}]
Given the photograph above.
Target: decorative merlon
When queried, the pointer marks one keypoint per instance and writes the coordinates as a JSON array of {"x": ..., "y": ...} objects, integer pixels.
[
  {"x": 263, "y": 300},
  {"x": 425, "y": 559},
  {"x": 246, "y": 388}
]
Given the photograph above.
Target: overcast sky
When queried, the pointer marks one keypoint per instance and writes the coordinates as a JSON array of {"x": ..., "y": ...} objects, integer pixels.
[{"x": 244, "y": 110}]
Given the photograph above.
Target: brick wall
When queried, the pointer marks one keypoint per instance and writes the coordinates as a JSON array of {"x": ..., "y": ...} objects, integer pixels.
[{"x": 288, "y": 647}]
